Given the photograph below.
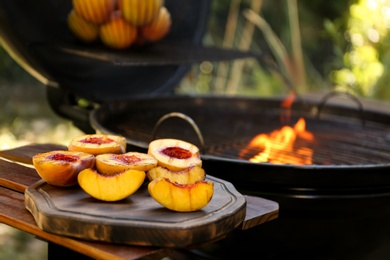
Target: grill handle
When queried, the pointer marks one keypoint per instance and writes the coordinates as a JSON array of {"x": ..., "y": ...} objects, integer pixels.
[
  {"x": 186, "y": 118},
  {"x": 65, "y": 105},
  {"x": 351, "y": 97}
]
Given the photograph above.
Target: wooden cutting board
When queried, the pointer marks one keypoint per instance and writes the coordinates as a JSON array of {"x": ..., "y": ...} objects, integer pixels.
[{"x": 137, "y": 220}]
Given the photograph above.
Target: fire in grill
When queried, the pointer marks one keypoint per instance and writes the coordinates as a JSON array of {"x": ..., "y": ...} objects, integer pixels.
[
  {"x": 288, "y": 145},
  {"x": 338, "y": 135}
]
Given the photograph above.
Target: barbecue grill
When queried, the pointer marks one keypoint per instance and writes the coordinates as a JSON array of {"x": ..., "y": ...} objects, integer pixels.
[{"x": 337, "y": 207}]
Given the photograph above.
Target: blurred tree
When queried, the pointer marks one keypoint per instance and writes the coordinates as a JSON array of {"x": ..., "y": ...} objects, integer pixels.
[
  {"x": 366, "y": 52},
  {"x": 318, "y": 47}
]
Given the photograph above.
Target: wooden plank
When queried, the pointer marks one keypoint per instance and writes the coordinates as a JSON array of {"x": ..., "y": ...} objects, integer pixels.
[
  {"x": 259, "y": 211},
  {"x": 25, "y": 153},
  {"x": 14, "y": 213},
  {"x": 16, "y": 176}
]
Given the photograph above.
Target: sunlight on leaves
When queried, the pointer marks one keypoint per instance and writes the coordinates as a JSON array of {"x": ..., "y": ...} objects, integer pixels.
[{"x": 368, "y": 24}]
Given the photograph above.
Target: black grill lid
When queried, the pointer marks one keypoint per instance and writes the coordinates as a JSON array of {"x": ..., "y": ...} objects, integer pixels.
[{"x": 35, "y": 33}]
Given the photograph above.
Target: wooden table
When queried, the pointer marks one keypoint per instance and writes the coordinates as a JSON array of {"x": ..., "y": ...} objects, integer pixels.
[{"x": 17, "y": 173}]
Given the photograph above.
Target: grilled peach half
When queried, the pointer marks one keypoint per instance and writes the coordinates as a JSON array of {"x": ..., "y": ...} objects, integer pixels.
[
  {"x": 98, "y": 144},
  {"x": 61, "y": 168},
  {"x": 175, "y": 155},
  {"x": 187, "y": 176},
  {"x": 94, "y": 11},
  {"x": 140, "y": 12},
  {"x": 110, "y": 187},
  {"x": 181, "y": 197},
  {"x": 114, "y": 163}
]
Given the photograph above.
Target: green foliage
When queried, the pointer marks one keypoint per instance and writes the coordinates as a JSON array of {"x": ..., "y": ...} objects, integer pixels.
[
  {"x": 10, "y": 71},
  {"x": 23, "y": 247},
  {"x": 364, "y": 50},
  {"x": 321, "y": 44}
]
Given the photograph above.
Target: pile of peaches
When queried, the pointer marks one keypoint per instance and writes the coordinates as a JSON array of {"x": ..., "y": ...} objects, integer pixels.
[
  {"x": 119, "y": 24},
  {"x": 100, "y": 165}
]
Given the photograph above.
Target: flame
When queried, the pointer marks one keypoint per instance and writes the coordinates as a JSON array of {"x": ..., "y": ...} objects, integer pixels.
[
  {"x": 279, "y": 147},
  {"x": 286, "y": 106}
]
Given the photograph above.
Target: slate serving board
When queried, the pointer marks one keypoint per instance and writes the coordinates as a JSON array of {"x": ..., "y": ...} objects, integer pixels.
[{"x": 137, "y": 220}]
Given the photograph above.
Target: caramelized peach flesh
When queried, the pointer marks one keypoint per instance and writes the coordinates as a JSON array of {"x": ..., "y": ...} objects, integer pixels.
[
  {"x": 98, "y": 144},
  {"x": 181, "y": 197},
  {"x": 114, "y": 163},
  {"x": 187, "y": 176}
]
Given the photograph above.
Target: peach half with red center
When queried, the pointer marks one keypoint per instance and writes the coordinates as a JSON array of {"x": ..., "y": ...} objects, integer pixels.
[
  {"x": 110, "y": 187},
  {"x": 61, "y": 168},
  {"x": 114, "y": 163},
  {"x": 98, "y": 144},
  {"x": 181, "y": 197},
  {"x": 175, "y": 155}
]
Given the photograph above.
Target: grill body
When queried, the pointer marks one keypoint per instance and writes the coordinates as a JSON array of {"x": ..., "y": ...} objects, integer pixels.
[{"x": 337, "y": 208}]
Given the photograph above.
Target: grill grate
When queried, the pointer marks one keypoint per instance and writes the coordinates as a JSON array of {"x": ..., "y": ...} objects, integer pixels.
[{"x": 228, "y": 126}]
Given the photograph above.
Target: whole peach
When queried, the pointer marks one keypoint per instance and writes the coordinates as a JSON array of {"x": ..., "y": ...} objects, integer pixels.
[
  {"x": 140, "y": 12},
  {"x": 158, "y": 28},
  {"x": 94, "y": 11},
  {"x": 118, "y": 33},
  {"x": 82, "y": 29}
]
